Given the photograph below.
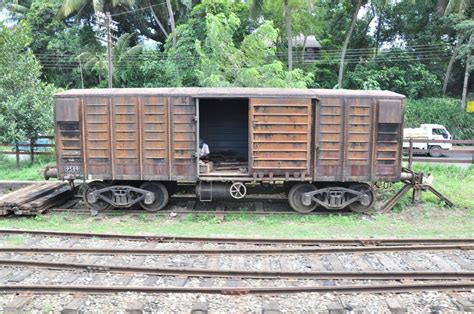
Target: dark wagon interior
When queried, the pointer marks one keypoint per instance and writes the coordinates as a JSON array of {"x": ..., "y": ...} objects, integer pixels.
[{"x": 223, "y": 126}]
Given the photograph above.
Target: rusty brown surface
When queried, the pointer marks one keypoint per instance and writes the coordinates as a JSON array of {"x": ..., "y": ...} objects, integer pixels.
[
  {"x": 68, "y": 133},
  {"x": 200, "y": 92},
  {"x": 280, "y": 136},
  {"x": 183, "y": 138},
  {"x": 154, "y": 126},
  {"x": 327, "y": 136}
]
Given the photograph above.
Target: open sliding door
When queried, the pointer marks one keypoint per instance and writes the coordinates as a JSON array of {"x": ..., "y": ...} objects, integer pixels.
[{"x": 280, "y": 137}]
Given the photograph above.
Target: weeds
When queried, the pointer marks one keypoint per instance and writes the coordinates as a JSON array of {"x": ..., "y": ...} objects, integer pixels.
[{"x": 27, "y": 171}]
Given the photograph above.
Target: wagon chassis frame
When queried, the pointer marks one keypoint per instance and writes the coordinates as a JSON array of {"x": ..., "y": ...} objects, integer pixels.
[
  {"x": 122, "y": 196},
  {"x": 335, "y": 197}
]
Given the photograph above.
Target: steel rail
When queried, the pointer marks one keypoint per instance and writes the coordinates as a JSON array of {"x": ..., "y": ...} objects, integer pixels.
[
  {"x": 437, "y": 286},
  {"x": 194, "y": 272},
  {"x": 199, "y": 212},
  {"x": 293, "y": 241},
  {"x": 238, "y": 251}
]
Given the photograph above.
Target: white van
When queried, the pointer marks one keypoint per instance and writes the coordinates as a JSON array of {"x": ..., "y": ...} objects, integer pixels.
[{"x": 428, "y": 132}]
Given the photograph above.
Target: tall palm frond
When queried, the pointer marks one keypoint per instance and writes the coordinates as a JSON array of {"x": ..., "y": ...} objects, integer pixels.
[
  {"x": 456, "y": 6},
  {"x": 74, "y": 6}
]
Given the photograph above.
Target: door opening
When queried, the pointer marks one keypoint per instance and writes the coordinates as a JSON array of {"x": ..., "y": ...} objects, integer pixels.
[{"x": 223, "y": 127}]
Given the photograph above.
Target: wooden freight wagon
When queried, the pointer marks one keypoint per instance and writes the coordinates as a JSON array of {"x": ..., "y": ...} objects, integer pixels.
[{"x": 136, "y": 144}]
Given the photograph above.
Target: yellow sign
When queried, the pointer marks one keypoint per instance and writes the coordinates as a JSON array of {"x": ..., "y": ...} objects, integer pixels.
[{"x": 470, "y": 106}]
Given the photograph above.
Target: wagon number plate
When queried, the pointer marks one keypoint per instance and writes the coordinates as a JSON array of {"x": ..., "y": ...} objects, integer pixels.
[{"x": 71, "y": 169}]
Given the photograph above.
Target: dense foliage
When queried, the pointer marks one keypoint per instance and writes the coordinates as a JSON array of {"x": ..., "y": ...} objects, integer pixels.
[
  {"x": 445, "y": 111},
  {"x": 25, "y": 100},
  {"x": 417, "y": 48},
  {"x": 411, "y": 47}
]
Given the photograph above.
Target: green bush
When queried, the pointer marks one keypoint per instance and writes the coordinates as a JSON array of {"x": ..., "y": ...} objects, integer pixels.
[{"x": 445, "y": 111}]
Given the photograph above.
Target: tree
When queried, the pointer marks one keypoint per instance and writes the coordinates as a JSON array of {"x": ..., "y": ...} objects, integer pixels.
[
  {"x": 466, "y": 28},
  {"x": 127, "y": 59},
  {"x": 395, "y": 70},
  {"x": 25, "y": 101},
  {"x": 447, "y": 7},
  {"x": 141, "y": 17},
  {"x": 257, "y": 7},
  {"x": 171, "y": 15},
  {"x": 253, "y": 65},
  {"x": 358, "y": 5}
]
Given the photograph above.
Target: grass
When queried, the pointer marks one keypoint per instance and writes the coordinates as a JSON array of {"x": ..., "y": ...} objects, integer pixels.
[
  {"x": 414, "y": 222},
  {"x": 27, "y": 170},
  {"x": 456, "y": 183},
  {"x": 430, "y": 219}
]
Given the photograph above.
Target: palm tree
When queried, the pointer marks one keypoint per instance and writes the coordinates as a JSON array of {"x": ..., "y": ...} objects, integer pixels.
[
  {"x": 80, "y": 7},
  {"x": 124, "y": 55}
]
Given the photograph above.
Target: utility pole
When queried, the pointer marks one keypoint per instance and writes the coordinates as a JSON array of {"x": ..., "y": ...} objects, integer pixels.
[
  {"x": 110, "y": 68},
  {"x": 106, "y": 26}
]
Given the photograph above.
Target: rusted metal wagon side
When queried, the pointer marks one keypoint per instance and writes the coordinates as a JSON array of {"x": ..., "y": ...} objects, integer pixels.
[
  {"x": 356, "y": 141},
  {"x": 138, "y": 143}
]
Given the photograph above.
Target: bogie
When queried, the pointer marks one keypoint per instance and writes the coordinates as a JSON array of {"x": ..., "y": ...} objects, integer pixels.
[
  {"x": 151, "y": 196},
  {"x": 358, "y": 197}
]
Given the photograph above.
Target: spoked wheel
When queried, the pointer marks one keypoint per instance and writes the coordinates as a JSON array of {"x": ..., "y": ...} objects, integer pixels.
[
  {"x": 100, "y": 204},
  {"x": 161, "y": 196},
  {"x": 358, "y": 206},
  {"x": 238, "y": 190},
  {"x": 295, "y": 197}
]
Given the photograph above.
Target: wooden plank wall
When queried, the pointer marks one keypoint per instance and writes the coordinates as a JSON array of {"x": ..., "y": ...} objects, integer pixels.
[
  {"x": 154, "y": 138},
  {"x": 125, "y": 138},
  {"x": 140, "y": 138},
  {"x": 359, "y": 125},
  {"x": 98, "y": 153},
  {"x": 183, "y": 138},
  {"x": 329, "y": 141},
  {"x": 280, "y": 135},
  {"x": 155, "y": 142},
  {"x": 350, "y": 142}
]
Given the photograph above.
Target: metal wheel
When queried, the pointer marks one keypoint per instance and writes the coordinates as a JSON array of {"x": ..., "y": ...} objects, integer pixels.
[
  {"x": 295, "y": 197},
  {"x": 100, "y": 204},
  {"x": 435, "y": 151},
  {"x": 161, "y": 196},
  {"x": 238, "y": 190},
  {"x": 358, "y": 206}
]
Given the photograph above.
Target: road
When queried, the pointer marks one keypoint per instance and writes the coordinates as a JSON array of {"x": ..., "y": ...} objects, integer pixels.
[{"x": 444, "y": 160}]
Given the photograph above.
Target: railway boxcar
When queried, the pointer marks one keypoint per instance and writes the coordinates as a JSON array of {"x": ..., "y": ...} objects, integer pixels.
[{"x": 134, "y": 145}]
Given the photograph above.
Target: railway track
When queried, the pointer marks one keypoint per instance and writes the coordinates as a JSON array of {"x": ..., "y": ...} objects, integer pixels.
[
  {"x": 63, "y": 236},
  {"x": 53, "y": 263},
  {"x": 182, "y": 211}
]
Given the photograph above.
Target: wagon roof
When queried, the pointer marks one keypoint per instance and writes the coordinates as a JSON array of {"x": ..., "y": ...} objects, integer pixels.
[{"x": 213, "y": 92}]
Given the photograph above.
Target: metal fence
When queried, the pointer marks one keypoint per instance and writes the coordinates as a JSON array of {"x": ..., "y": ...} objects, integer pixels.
[
  {"x": 462, "y": 152},
  {"x": 31, "y": 149}
]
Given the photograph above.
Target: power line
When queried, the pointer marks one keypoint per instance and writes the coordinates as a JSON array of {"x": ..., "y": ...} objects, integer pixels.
[
  {"x": 139, "y": 9},
  {"x": 432, "y": 54},
  {"x": 131, "y": 66},
  {"x": 147, "y": 54}
]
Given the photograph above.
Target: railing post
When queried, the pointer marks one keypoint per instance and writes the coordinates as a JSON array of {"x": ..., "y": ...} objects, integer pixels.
[
  {"x": 17, "y": 155},
  {"x": 32, "y": 150},
  {"x": 410, "y": 154}
]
